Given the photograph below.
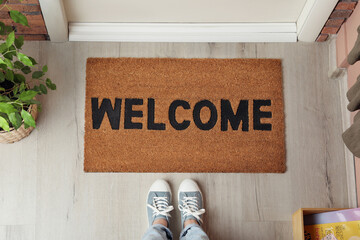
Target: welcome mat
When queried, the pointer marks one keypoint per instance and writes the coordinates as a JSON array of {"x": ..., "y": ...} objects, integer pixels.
[{"x": 184, "y": 115}]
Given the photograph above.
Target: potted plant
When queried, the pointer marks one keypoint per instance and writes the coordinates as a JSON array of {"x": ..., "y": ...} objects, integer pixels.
[{"x": 21, "y": 80}]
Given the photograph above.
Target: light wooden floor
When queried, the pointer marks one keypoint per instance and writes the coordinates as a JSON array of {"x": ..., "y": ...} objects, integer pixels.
[{"x": 44, "y": 193}]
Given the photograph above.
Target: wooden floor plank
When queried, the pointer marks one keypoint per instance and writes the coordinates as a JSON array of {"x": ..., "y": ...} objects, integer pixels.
[{"x": 17, "y": 232}]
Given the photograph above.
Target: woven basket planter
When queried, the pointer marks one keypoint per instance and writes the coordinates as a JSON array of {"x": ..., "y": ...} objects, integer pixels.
[{"x": 16, "y": 135}]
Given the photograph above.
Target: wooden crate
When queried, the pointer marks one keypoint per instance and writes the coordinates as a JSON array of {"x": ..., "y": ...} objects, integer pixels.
[{"x": 298, "y": 219}]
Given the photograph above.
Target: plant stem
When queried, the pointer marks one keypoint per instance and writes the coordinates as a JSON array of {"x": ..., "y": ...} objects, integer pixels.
[{"x": 5, "y": 5}]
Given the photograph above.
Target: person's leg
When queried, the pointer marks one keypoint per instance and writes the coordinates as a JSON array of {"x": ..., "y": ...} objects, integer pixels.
[
  {"x": 158, "y": 232},
  {"x": 191, "y": 207},
  {"x": 158, "y": 208},
  {"x": 193, "y": 232}
]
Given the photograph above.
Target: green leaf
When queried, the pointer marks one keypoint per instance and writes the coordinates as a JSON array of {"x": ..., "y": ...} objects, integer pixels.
[
  {"x": 45, "y": 69},
  {"x": 22, "y": 87},
  {"x": 6, "y": 108},
  {"x": 9, "y": 75},
  {"x": 9, "y": 56},
  {"x": 2, "y": 28},
  {"x": 15, "y": 119},
  {"x": 8, "y": 63},
  {"x": 43, "y": 89},
  {"x": 32, "y": 101},
  {"x": 2, "y": 77},
  {"x": 2, "y": 89},
  {"x": 12, "y": 53},
  {"x": 50, "y": 85},
  {"x": 4, "y": 98},
  {"x": 4, "y": 124},
  {"x": 18, "y": 17},
  {"x": 19, "y": 42},
  {"x": 36, "y": 88},
  {"x": 3, "y": 47},
  {"x": 3, "y": 66},
  {"x": 26, "y": 70},
  {"x": 28, "y": 119},
  {"x": 28, "y": 95},
  {"x": 15, "y": 90},
  {"x": 19, "y": 78},
  {"x": 18, "y": 65},
  {"x": 25, "y": 59},
  {"x": 10, "y": 39},
  {"x": 37, "y": 74},
  {"x": 8, "y": 29},
  {"x": 48, "y": 82},
  {"x": 33, "y": 61}
]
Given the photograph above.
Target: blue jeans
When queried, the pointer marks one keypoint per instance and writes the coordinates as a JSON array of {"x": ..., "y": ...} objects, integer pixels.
[{"x": 190, "y": 232}]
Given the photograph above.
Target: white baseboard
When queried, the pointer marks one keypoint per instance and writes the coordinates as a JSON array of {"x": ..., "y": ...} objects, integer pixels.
[{"x": 183, "y": 32}]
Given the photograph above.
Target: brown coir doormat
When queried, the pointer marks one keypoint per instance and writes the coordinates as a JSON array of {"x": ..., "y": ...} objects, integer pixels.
[{"x": 184, "y": 115}]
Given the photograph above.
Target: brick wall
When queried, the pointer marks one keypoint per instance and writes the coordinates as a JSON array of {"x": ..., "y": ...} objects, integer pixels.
[
  {"x": 341, "y": 12},
  {"x": 31, "y": 9}
]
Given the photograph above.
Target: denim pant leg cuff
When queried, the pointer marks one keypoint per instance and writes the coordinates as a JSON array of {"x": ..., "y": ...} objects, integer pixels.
[
  {"x": 158, "y": 231},
  {"x": 187, "y": 228},
  {"x": 166, "y": 230}
]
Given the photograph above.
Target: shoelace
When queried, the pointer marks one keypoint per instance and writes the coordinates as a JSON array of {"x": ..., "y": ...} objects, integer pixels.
[
  {"x": 189, "y": 206},
  {"x": 160, "y": 206}
]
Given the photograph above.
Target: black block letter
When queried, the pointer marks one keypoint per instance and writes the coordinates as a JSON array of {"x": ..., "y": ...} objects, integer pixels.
[
  {"x": 151, "y": 125},
  {"x": 113, "y": 113},
  {"x": 130, "y": 113},
  {"x": 259, "y": 114},
  {"x": 213, "y": 115},
  {"x": 172, "y": 118},
  {"x": 242, "y": 115}
]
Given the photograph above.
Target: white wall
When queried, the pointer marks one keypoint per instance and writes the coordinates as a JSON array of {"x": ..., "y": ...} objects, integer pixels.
[{"x": 183, "y": 11}]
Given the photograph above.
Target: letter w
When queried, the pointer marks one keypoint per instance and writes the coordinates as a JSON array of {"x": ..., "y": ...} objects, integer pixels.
[{"x": 113, "y": 113}]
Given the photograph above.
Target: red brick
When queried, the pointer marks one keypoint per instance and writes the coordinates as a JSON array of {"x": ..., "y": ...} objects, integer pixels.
[
  {"x": 31, "y": 18},
  {"x": 30, "y": 37},
  {"x": 22, "y": 8},
  {"x": 34, "y": 29},
  {"x": 341, "y": 13},
  {"x": 322, "y": 38},
  {"x": 23, "y": 2},
  {"x": 36, "y": 23},
  {"x": 345, "y": 6},
  {"x": 329, "y": 30},
  {"x": 4, "y": 15},
  {"x": 337, "y": 22},
  {"x": 36, "y": 37}
]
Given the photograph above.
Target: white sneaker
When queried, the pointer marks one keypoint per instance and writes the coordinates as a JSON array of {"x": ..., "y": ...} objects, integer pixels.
[
  {"x": 190, "y": 201},
  {"x": 158, "y": 201}
]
